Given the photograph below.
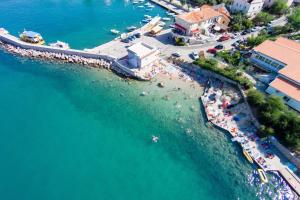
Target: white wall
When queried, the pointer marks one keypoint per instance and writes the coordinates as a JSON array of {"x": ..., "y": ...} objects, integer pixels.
[{"x": 250, "y": 10}]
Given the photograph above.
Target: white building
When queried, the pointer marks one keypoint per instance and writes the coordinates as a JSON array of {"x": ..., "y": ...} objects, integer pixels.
[
  {"x": 199, "y": 20},
  {"x": 249, "y": 7},
  {"x": 281, "y": 57},
  {"x": 141, "y": 55}
]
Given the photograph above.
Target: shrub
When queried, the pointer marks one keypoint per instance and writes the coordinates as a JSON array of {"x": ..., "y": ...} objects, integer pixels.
[
  {"x": 279, "y": 7},
  {"x": 263, "y": 18},
  {"x": 179, "y": 42},
  {"x": 228, "y": 72},
  {"x": 231, "y": 58},
  {"x": 255, "y": 97},
  {"x": 294, "y": 18}
]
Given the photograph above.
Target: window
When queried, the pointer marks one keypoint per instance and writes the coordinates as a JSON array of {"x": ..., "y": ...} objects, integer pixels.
[
  {"x": 274, "y": 64},
  {"x": 286, "y": 98}
]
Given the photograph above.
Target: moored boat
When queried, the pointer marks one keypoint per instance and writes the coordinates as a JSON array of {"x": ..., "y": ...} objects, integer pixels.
[
  {"x": 131, "y": 28},
  {"x": 61, "y": 45},
  {"x": 114, "y": 31},
  {"x": 32, "y": 37},
  {"x": 247, "y": 155},
  {"x": 262, "y": 175},
  {"x": 166, "y": 19},
  {"x": 146, "y": 20}
]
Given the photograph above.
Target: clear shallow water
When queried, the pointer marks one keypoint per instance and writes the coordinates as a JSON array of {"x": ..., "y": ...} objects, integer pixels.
[{"x": 69, "y": 132}]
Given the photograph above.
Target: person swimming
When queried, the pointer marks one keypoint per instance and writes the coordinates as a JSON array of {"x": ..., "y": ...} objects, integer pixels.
[{"x": 155, "y": 138}]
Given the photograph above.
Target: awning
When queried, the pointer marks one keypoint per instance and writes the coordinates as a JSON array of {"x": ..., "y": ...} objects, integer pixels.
[
  {"x": 195, "y": 30},
  {"x": 180, "y": 27}
]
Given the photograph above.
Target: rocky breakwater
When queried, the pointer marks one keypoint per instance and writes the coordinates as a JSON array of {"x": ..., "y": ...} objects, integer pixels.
[{"x": 99, "y": 63}]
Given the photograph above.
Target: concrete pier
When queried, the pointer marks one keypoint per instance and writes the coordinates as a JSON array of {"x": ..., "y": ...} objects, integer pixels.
[{"x": 170, "y": 6}]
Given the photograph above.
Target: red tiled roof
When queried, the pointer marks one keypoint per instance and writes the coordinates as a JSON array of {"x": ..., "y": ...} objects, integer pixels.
[
  {"x": 286, "y": 51},
  {"x": 206, "y": 12},
  {"x": 290, "y": 89}
]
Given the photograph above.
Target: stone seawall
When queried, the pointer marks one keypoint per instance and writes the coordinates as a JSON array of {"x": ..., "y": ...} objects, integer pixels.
[{"x": 9, "y": 39}]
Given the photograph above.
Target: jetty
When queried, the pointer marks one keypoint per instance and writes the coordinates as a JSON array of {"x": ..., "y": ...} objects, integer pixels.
[
  {"x": 107, "y": 55},
  {"x": 226, "y": 109},
  {"x": 170, "y": 6}
]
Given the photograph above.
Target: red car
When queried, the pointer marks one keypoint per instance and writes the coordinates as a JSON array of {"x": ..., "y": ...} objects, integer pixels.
[
  {"x": 212, "y": 50},
  {"x": 224, "y": 38}
]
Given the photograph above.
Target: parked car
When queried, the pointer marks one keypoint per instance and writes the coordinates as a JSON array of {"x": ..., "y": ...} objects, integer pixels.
[
  {"x": 236, "y": 35},
  {"x": 175, "y": 54},
  {"x": 194, "y": 55},
  {"x": 224, "y": 38},
  {"x": 254, "y": 29},
  {"x": 137, "y": 35},
  {"x": 212, "y": 50},
  {"x": 219, "y": 46},
  {"x": 245, "y": 32}
]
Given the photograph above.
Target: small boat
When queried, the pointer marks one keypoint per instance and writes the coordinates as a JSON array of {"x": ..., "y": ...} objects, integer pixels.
[
  {"x": 131, "y": 28},
  {"x": 32, "y": 37},
  {"x": 169, "y": 13},
  {"x": 61, "y": 45},
  {"x": 166, "y": 19},
  {"x": 135, "y": 2},
  {"x": 141, "y": 1},
  {"x": 148, "y": 9},
  {"x": 141, "y": 6},
  {"x": 155, "y": 138},
  {"x": 172, "y": 26},
  {"x": 247, "y": 155},
  {"x": 148, "y": 16},
  {"x": 262, "y": 175},
  {"x": 114, "y": 31},
  {"x": 148, "y": 4},
  {"x": 146, "y": 20}
]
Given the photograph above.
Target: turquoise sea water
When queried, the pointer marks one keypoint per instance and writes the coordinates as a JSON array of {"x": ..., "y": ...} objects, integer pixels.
[{"x": 69, "y": 132}]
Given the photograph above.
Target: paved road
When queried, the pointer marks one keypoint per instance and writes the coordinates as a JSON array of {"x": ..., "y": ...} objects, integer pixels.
[{"x": 167, "y": 48}]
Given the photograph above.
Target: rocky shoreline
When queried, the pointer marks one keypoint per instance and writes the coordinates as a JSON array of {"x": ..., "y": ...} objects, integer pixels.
[{"x": 98, "y": 63}]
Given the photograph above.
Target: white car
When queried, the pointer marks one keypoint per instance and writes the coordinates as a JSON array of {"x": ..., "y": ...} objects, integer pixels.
[
  {"x": 194, "y": 55},
  {"x": 254, "y": 29}
]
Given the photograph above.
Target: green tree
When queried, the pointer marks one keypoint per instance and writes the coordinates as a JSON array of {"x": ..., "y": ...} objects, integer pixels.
[
  {"x": 263, "y": 18},
  {"x": 279, "y": 7},
  {"x": 248, "y": 23},
  {"x": 254, "y": 41},
  {"x": 294, "y": 18},
  {"x": 255, "y": 97}
]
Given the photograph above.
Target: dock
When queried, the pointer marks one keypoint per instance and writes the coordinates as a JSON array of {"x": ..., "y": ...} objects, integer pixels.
[
  {"x": 170, "y": 6},
  {"x": 111, "y": 53}
]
